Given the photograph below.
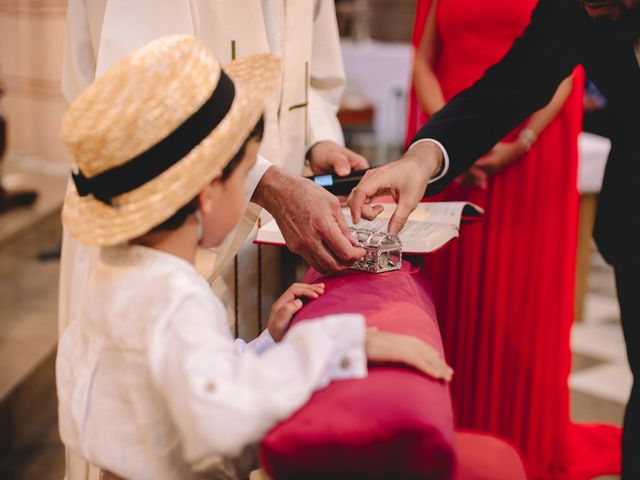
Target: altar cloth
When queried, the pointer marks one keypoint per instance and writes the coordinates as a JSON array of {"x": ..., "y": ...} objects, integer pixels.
[{"x": 397, "y": 422}]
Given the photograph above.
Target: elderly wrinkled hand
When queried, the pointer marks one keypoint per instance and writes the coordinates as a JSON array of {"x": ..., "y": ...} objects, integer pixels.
[{"x": 310, "y": 220}]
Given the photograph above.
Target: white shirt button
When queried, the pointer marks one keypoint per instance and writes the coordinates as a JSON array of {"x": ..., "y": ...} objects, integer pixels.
[{"x": 345, "y": 363}]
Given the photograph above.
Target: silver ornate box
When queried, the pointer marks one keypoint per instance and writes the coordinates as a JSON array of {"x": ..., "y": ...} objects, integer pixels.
[{"x": 384, "y": 251}]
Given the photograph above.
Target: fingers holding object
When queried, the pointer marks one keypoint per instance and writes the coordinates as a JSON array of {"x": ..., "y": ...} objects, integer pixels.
[
  {"x": 371, "y": 212},
  {"x": 369, "y": 186}
]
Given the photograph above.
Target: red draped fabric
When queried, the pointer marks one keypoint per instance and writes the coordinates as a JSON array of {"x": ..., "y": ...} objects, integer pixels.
[{"x": 504, "y": 291}]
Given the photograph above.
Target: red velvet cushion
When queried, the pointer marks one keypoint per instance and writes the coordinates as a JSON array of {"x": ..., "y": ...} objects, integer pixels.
[
  {"x": 486, "y": 457},
  {"x": 396, "y": 423}
]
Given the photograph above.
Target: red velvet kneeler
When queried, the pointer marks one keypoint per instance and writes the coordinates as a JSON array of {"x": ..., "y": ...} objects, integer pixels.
[
  {"x": 484, "y": 456},
  {"x": 396, "y": 423}
]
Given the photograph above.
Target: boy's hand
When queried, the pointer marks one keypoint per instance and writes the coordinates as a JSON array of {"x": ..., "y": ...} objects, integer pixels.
[
  {"x": 396, "y": 348},
  {"x": 288, "y": 304}
]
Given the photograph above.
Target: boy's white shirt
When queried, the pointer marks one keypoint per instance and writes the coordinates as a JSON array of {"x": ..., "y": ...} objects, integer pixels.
[{"x": 151, "y": 383}]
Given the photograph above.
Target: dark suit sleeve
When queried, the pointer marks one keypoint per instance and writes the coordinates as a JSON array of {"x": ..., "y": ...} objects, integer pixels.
[{"x": 521, "y": 83}]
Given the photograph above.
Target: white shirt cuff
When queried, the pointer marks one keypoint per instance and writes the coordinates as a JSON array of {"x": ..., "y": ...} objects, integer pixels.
[
  {"x": 255, "y": 175},
  {"x": 445, "y": 163},
  {"x": 349, "y": 361},
  {"x": 258, "y": 345}
]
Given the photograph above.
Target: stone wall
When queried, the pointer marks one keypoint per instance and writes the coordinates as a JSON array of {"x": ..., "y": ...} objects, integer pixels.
[{"x": 31, "y": 46}]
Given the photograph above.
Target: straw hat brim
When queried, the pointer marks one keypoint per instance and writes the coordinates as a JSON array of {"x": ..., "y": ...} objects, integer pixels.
[{"x": 134, "y": 213}]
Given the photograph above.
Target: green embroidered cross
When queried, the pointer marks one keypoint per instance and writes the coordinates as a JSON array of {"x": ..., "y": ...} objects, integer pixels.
[{"x": 304, "y": 105}]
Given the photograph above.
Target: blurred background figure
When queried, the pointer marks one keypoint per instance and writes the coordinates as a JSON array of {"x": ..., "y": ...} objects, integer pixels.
[
  {"x": 10, "y": 199},
  {"x": 597, "y": 114},
  {"x": 504, "y": 291}
]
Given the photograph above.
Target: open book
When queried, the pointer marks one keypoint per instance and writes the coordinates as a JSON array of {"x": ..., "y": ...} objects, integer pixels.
[{"x": 429, "y": 227}]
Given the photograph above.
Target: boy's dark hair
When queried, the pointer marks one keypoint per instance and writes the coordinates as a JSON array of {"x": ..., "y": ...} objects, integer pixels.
[{"x": 178, "y": 218}]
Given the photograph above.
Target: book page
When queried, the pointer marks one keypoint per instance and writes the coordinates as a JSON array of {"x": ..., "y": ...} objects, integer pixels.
[
  {"x": 437, "y": 212},
  {"x": 417, "y": 236},
  {"x": 429, "y": 227}
]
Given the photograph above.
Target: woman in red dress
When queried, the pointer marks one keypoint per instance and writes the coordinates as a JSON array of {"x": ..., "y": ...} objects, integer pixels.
[{"x": 505, "y": 290}]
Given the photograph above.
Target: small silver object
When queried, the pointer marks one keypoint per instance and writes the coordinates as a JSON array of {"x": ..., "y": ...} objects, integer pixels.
[{"x": 384, "y": 251}]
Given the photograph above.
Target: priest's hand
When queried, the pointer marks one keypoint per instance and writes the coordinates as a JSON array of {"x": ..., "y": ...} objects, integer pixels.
[
  {"x": 405, "y": 180},
  {"x": 329, "y": 157},
  {"x": 310, "y": 220}
]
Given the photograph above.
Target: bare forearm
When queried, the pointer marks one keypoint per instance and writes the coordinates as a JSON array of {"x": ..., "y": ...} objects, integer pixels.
[
  {"x": 543, "y": 117},
  {"x": 266, "y": 192},
  {"x": 427, "y": 87},
  {"x": 503, "y": 154},
  {"x": 425, "y": 81}
]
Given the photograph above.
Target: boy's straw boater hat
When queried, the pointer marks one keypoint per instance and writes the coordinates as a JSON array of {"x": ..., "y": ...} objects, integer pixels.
[{"x": 153, "y": 131}]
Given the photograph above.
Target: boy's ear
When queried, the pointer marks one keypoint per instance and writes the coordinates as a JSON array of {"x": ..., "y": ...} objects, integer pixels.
[{"x": 210, "y": 196}]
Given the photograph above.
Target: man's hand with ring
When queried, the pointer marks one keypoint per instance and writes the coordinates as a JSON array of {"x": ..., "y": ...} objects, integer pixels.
[{"x": 405, "y": 180}]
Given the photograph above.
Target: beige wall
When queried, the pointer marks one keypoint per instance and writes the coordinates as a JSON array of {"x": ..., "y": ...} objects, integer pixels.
[{"x": 31, "y": 44}]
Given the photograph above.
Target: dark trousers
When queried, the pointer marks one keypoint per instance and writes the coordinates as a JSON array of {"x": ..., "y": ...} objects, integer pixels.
[{"x": 628, "y": 284}]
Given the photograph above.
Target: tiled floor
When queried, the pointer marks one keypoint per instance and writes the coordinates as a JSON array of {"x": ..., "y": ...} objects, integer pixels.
[
  {"x": 28, "y": 295},
  {"x": 601, "y": 380},
  {"x": 32, "y": 173},
  {"x": 42, "y": 459}
]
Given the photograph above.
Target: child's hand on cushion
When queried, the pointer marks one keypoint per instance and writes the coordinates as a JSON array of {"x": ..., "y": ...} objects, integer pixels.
[
  {"x": 407, "y": 349},
  {"x": 288, "y": 304}
]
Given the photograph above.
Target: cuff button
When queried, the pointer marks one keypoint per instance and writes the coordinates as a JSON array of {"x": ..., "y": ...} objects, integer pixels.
[{"x": 345, "y": 363}]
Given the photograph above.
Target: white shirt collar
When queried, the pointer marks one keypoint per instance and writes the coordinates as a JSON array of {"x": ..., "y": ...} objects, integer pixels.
[{"x": 131, "y": 254}]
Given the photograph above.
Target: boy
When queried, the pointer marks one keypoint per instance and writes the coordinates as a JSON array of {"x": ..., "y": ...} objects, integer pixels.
[{"x": 150, "y": 382}]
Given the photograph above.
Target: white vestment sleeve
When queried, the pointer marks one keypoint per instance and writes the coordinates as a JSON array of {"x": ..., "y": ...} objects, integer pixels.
[
  {"x": 255, "y": 175},
  {"x": 78, "y": 69},
  {"x": 78, "y": 62},
  {"x": 222, "y": 400},
  {"x": 327, "y": 76}
]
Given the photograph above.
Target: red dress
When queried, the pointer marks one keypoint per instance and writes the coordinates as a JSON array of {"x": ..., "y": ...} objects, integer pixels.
[{"x": 505, "y": 291}]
